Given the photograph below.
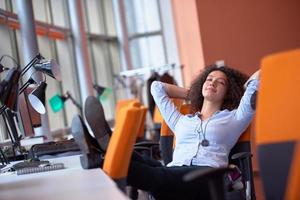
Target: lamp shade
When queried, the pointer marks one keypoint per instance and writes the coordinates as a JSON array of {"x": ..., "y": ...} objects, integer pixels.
[
  {"x": 9, "y": 89},
  {"x": 37, "y": 98},
  {"x": 49, "y": 67},
  {"x": 57, "y": 102},
  {"x": 99, "y": 89},
  {"x": 2, "y": 68}
]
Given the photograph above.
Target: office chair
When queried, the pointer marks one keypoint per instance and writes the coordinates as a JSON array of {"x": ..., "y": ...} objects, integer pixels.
[
  {"x": 277, "y": 124},
  {"x": 167, "y": 136},
  {"x": 294, "y": 176},
  {"x": 121, "y": 143},
  {"x": 240, "y": 156},
  {"x": 157, "y": 121},
  {"x": 141, "y": 131},
  {"x": 123, "y": 102}
]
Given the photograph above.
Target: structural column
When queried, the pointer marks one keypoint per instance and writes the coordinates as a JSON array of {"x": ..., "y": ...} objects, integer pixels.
[
  {"x": 30, "y": 50},
  {"x": 81, "y": 51}
]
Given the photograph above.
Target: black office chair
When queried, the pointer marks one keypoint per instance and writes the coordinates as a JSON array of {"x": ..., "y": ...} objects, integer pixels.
[
  {"x": 239, "y": 157},
  {"x": 221, "y": 187}
]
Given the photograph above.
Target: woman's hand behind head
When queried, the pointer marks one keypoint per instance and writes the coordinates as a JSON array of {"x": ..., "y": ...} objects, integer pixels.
[{"x": 255, "y": 75}]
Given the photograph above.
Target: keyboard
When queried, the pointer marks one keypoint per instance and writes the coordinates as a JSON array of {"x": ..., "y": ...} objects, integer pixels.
[
  {"x": 51, "y": 148},
  {"x": 29, "y": 164}
]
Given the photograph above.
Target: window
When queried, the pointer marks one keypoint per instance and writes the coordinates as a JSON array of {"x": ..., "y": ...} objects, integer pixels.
[{"x": 145, "y": 35}]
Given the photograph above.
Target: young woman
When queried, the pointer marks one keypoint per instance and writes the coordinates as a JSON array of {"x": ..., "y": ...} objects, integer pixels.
[{"x": 221, "y": 110}]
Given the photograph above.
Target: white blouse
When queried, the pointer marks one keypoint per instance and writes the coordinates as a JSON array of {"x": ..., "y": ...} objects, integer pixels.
[{"x": 222, "y": 130}]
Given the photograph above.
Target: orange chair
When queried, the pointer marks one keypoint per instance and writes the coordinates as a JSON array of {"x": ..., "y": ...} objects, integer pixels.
[
  {"x": 141, "y": 132},
  {"x": 277, "y": 125},
  {"x": 294, "y": 176},
  {"x": 125, "y": 102},
  {"x": 121, "y": 143},
  {"x": 157, "y": 118},
  {"x": 122, "y": 103}
]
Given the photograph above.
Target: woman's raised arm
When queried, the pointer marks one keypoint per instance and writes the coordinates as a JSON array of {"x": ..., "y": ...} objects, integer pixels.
[
  {"x": 176, "y": 92},
  {"x": 255, "y": 75}
]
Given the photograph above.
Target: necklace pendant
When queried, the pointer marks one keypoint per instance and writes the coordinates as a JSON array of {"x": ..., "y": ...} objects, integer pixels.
[{"x": 205, "y": 143}]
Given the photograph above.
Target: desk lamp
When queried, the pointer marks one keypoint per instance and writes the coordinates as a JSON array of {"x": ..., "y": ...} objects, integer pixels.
[
  {"x": 57, "y": 102},
  {"x": 9, "y": 89},
  {"x": 2, "y": 68},
  {"x": 102, "y": 92}
]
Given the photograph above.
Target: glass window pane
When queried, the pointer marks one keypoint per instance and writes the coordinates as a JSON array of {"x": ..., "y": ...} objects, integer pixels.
[
  {"x": 59, "y": 13},
  {"x": 2, "y": 4},
  {"x": 148, "y": 51},
  {"x": 68, "y": 75},
  {"x": 5, "y": 49},
  {"x": 142, "y": 16},
  {"x": 109, "y": 16},
  {"x": 93, "y": 16},
  {"x": 41, "y": 11},
  {"x": 103, "y": 71},
  {"x": 55, "y": 119}
]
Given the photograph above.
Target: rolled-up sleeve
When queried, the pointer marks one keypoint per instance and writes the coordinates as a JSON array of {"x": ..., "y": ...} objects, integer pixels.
[{"x": 165, "y": 105}]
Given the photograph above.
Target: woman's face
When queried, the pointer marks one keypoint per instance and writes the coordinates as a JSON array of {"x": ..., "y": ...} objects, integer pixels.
[{"x": 215, "y": 87}]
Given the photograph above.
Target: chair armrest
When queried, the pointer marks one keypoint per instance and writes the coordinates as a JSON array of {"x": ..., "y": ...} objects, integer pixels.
[
  {"x": 141, "y": 148},
  {"x": 214, "y": 178},
  {"x": 207, "y": 173},
  {"x": 151, "y": 147},
  {"x": 241, "y": 155},
  {"x": 148, "y": 144}
]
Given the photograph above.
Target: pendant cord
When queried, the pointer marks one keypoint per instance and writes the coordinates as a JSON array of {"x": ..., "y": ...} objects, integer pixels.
[{"x": 201, "y": 128}]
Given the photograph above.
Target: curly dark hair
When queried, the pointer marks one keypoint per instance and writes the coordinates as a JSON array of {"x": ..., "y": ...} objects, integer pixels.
[{"x": 236, "y": 81}]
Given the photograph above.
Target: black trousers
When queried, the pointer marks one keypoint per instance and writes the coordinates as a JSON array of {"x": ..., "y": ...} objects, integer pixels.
[{"x": 164, "y": 182}]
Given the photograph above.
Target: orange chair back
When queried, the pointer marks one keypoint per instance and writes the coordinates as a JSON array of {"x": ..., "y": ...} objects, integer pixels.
[
  {"x": 121, "y": 143},
  {"x": 124, "y": 102},
  {"x": 141, "y": 131},
  {"x": 277, "y": 121},
  {"x": 157, "y": 118},
  {"x": 278, "y": 104}
]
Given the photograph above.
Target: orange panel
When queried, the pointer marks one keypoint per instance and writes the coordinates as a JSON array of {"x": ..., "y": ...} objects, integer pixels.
[
  {"x": 157, "y": 118},
  {"x": 122, "y": 103},
  {"x": 245, "y": 135},
  {"x": 278, "y": 105},
  {"x": 185, "y": 109},
  {"x": 142, "y": 125},
  {"x": 120, "y": 147}
]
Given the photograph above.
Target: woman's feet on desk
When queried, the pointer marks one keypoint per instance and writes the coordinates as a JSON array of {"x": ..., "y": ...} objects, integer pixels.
[
  {"x": 92, "y": 155},
  {"x": 94, "y": 115}
]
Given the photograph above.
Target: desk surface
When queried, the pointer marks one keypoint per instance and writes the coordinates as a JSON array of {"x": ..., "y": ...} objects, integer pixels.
[{"x": 70, "y": 183}]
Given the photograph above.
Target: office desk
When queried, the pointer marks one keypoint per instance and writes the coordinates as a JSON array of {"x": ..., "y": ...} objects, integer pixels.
[{"x": 70, "y": 183}]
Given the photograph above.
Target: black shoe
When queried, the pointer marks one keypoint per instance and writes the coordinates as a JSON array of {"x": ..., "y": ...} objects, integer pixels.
[
  {"x": 92, "y": 156},
  {"x": 94, "y": 115}
]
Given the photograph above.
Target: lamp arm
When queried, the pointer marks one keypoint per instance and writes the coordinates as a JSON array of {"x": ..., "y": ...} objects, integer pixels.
[
  {"x": 37, "y": 58},
  {"x": 2, "y": 109},
  {"x": 29, "y": 82},
  {"x": 74, "y": 101}
]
